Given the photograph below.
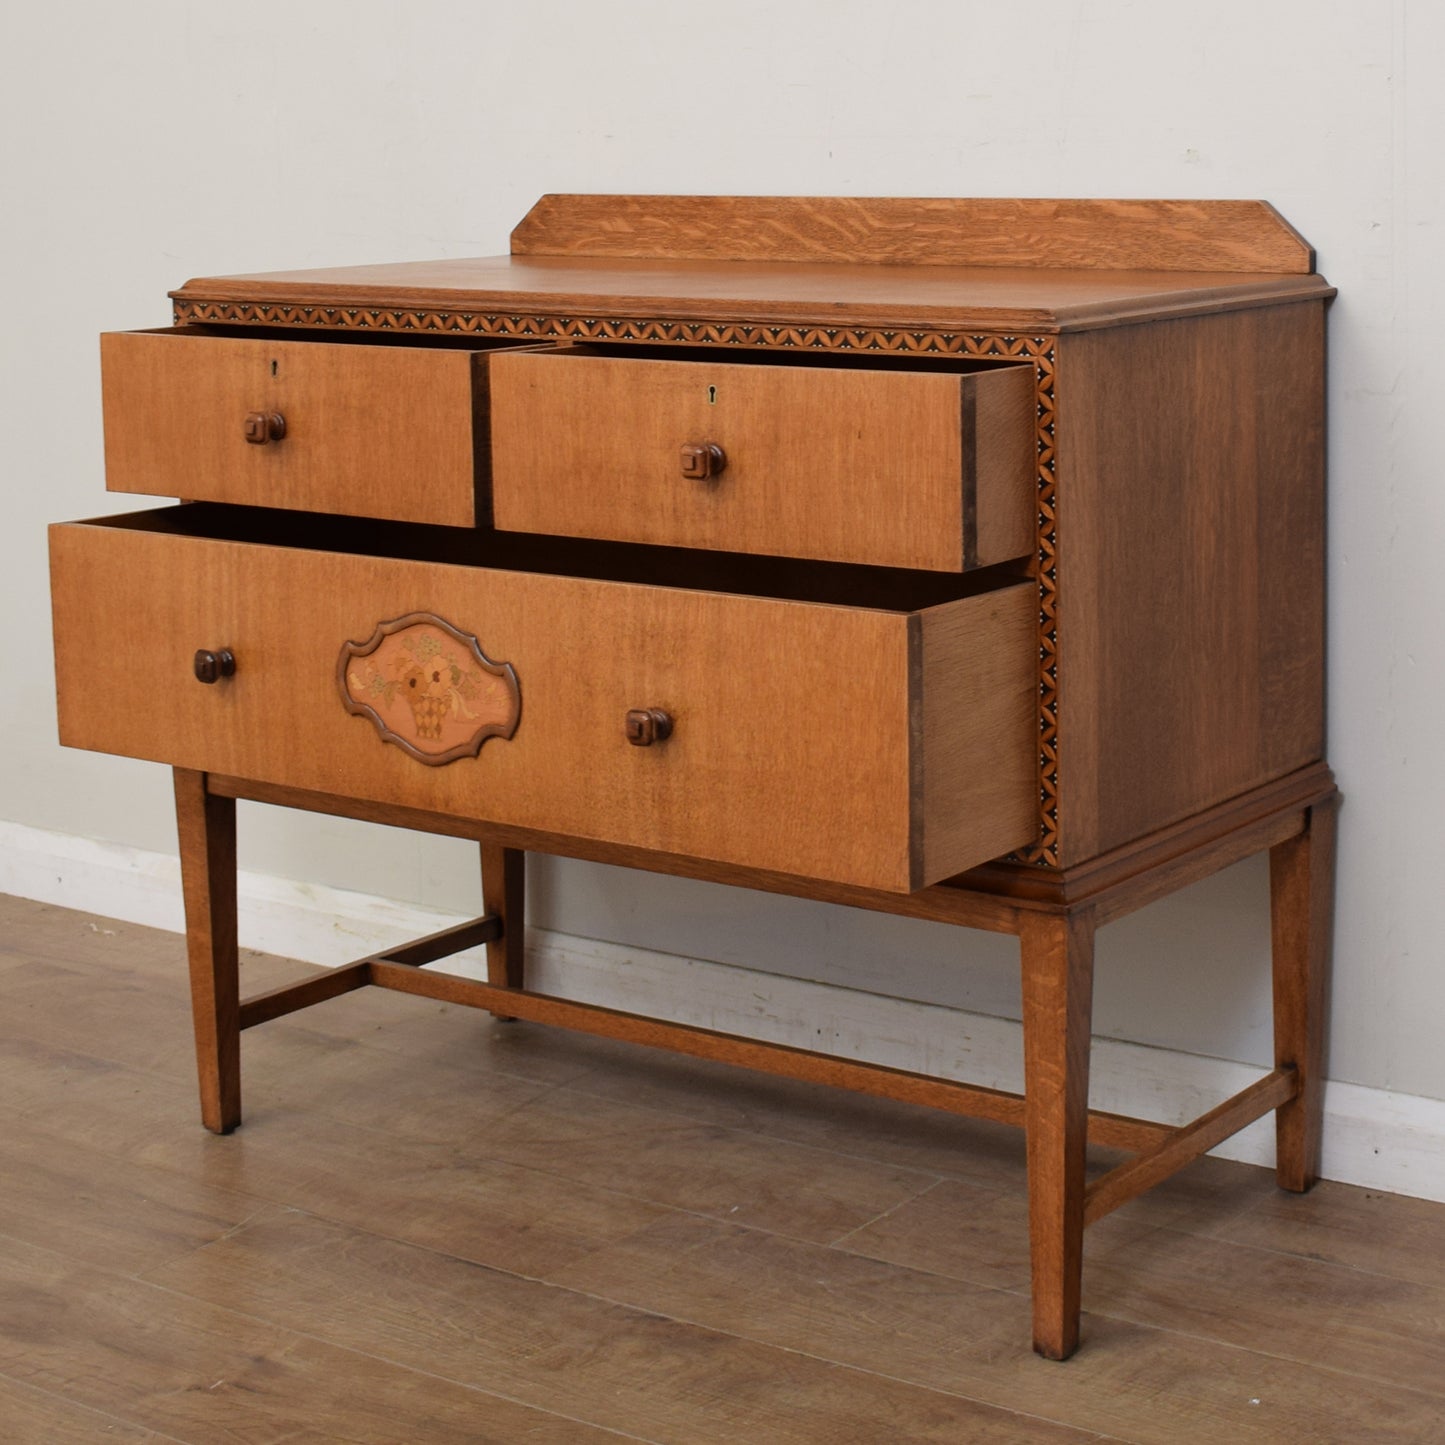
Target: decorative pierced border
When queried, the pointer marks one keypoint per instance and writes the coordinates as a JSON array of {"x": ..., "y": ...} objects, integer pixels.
[{"x": 1037, "y": 349}]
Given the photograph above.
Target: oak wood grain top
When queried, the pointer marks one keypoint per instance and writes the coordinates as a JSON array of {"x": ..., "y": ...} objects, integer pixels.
[{"x": 985, "y": 298}]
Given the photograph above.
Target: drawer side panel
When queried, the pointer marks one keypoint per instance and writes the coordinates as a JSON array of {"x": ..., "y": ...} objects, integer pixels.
[
  {"x": 1004, "y": 427},
  {"x": 979, "y": 775}
]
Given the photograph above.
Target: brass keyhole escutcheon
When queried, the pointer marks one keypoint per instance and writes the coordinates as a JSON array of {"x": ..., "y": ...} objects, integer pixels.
[{"x": 712, "y": 396}]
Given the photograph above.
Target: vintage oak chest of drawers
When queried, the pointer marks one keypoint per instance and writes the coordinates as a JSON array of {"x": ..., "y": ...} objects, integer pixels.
[{"x": 957, "y": 559}]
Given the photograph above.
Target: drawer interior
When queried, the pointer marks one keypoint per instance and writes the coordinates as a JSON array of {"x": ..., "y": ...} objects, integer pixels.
[
  {"x": 888, "y": 589},
  {"x": 623, "y": 350},
  {"x": 350, "y": 336},
  {"x": 774, "y": 356}
]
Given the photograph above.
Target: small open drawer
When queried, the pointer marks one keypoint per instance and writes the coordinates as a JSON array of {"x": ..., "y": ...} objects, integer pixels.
[
  {"x": 371, "y": 425},
  {"x": 899, "y": 461}
]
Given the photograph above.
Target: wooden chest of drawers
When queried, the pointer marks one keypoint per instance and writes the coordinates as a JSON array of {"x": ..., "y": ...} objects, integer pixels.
[{"x": 955, "y": 559}]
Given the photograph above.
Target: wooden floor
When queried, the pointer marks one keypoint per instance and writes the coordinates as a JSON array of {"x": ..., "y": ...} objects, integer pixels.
[{"x": 435, "y": 1227}]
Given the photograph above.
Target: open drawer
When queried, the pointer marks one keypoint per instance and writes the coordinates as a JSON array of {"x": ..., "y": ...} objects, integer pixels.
[
  {"x": 369, "y": 424},
  {"x": 879, "y": 731},
  {"x": 887, "y": 460}
]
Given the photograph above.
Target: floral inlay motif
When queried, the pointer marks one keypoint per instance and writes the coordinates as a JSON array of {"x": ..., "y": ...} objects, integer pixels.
[{"x": 428, "y": 687}]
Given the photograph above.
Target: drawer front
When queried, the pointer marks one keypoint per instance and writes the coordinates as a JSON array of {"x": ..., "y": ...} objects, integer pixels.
[
  {"x": 885, "y": 749},
  {"x": 371, "y": 430},
  {"x": 920, "y": 469}
]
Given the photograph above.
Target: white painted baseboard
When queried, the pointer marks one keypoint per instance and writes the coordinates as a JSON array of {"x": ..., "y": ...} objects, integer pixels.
[{"x": 1382, "y": 1140}]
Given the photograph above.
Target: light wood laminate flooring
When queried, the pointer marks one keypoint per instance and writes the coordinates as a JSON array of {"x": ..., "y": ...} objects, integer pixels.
[{"x": 436, "y": 1227}]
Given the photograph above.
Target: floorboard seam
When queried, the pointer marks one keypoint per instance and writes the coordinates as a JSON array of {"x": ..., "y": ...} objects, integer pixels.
[
  {"x": 862, "y": 1370},
  {"x": 101, "y": 1414},
  {"x": 714, "y": 1330},
  {"x": 302, "y": 1334},
  {"x": 878, "y": 1219},
  {"x": 1309, "y": 1362},
  {"x": 1311, "y": 1259}
]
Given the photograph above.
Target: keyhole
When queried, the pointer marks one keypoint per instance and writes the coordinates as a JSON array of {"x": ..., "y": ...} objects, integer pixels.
[
  {"x": 712, "y": 396},
  {"x": 273, "y": 368}
]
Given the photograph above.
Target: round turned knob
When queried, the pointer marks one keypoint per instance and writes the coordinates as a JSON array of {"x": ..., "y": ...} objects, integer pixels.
[
  {"x": 264, "y": 426},
  {"x": 213, "y": 666},
  {"x": 701, "y": 460},
  {"x": 648, "y": 725}
]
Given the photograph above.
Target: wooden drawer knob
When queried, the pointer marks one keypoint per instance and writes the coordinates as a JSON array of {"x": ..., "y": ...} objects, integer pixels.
[
  {"x": 264, "y": 426},
  {"x": 701, "y": 460},
  {"x": 648, "y": 725},
  {"x": 213, "y": 666}
]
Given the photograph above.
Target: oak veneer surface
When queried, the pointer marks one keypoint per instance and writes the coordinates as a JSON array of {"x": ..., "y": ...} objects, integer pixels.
[
  {"x": 895, "y": 467},
  {"x": 327, "y": 1271},
  {"x": 958, "y": 703},
  {"x": 984, "y": 298},
  {"x": 1190, "y": 566},
  {"x": 806, "y": 735},
  {"x": 940, "y": 231}
]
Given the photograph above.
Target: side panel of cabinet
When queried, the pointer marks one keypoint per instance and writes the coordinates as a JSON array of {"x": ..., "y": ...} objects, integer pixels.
[{"x": 1191, "y": 532}]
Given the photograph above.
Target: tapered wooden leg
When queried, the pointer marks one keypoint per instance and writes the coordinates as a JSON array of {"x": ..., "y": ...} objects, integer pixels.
[
  {"x": 206, "y": 825},
  {"x": 1057, "y": 957},
  {"x": 504, "y": 893},
  {"x": 1302, "y": 907}
]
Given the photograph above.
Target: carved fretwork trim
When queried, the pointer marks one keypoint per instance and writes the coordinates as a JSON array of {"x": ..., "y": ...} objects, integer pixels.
[{"x": 1037, "y": 349}]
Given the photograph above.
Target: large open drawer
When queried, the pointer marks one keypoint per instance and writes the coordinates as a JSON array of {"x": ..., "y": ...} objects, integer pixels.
[{"x": 886, "y": 745}]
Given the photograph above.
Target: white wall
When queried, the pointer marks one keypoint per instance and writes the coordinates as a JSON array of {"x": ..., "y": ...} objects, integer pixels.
[{"x": 149, "y": 142}]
